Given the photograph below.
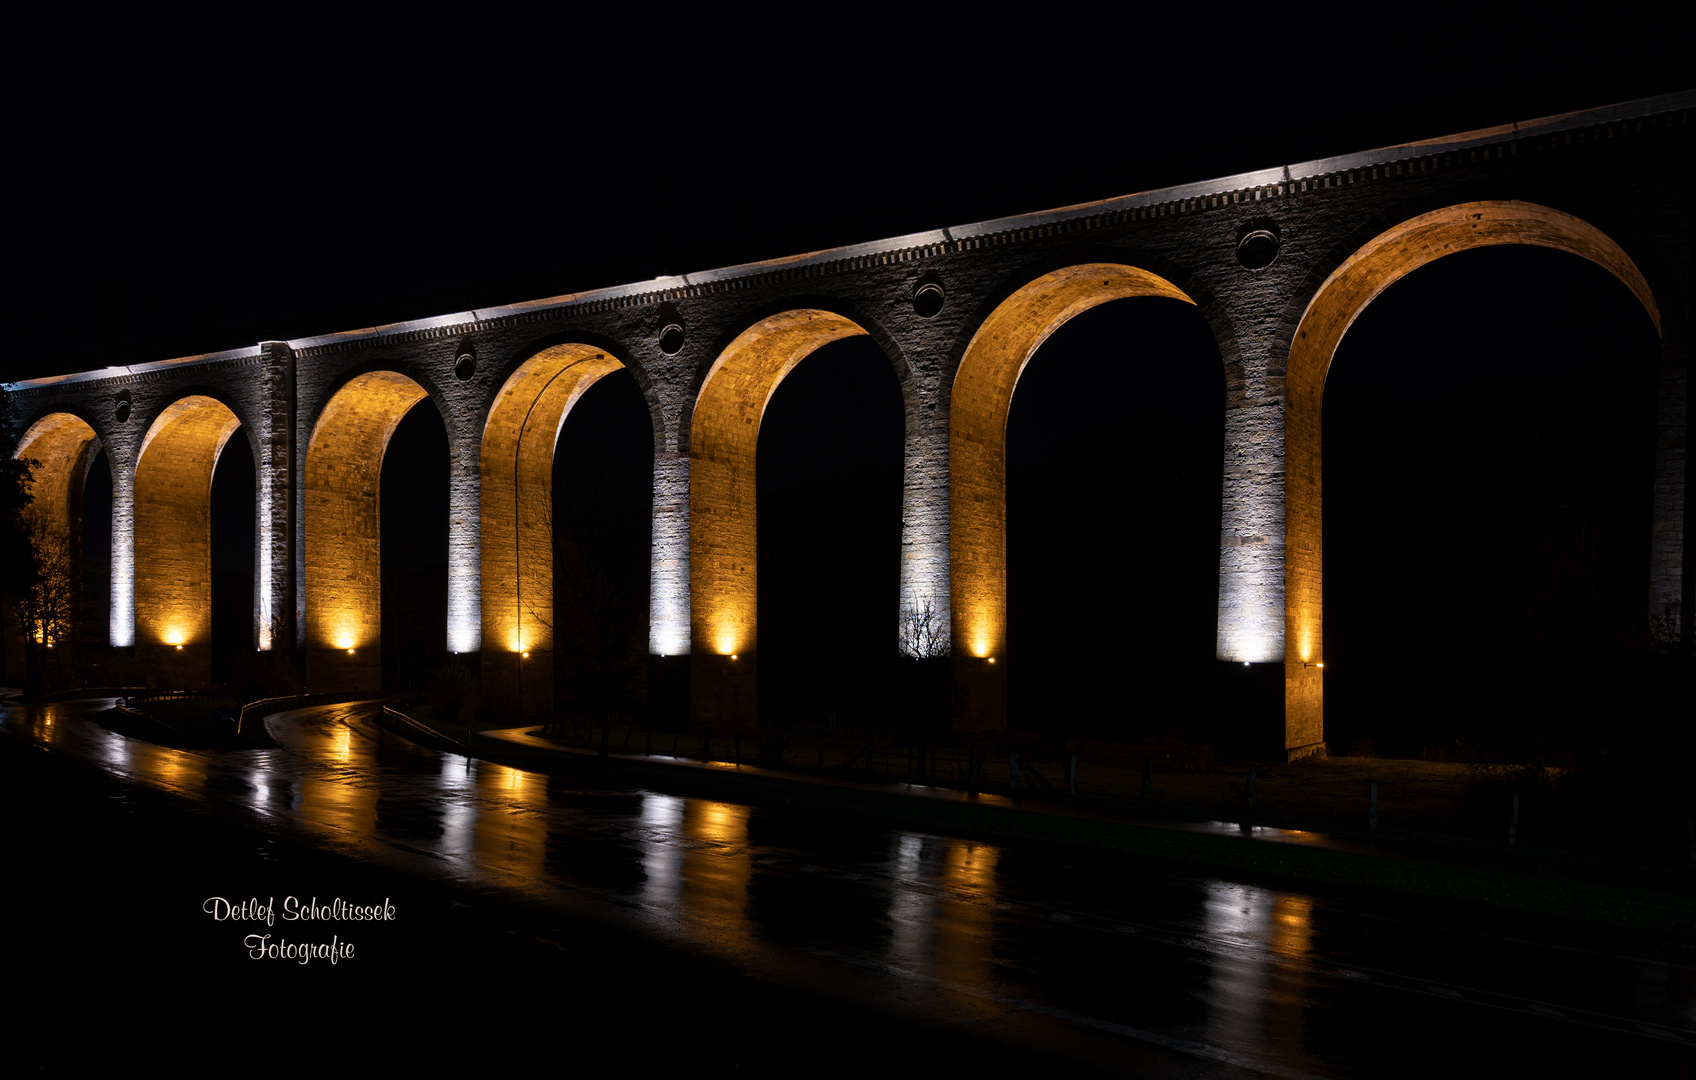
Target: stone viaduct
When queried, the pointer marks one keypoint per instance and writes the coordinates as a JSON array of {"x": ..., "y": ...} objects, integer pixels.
[{"x": 1279, "y": 262}]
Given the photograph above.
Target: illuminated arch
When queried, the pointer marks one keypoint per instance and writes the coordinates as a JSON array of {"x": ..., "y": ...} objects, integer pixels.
[
  {"x": 343, "y": 540},
  {"x": 516, "y": 511},
  {"x": 64, "y": 445},
  {"x": 61, "y": 442},
  {"x": 723, "y": 435},
  {"x": 977, "y": 436},
  {"x": 1340, "y": 299},
  {"x": 173, "y": 533}
]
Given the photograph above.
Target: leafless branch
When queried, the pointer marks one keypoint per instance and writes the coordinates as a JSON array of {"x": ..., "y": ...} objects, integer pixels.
[{"x": 924, "y": 632}]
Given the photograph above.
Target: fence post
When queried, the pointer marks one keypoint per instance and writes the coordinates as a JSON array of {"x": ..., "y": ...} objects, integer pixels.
[
  {"x": 1013, "y": 770},
  {"x": 1372, "y": 805},
  {"x": 1248, "y": 788},
  {"x": 974, "y": 771},
  {"x": 1147, "y": 777},
  {"x": 1072, "y": 774},
  {"x": 1513, "y": 821}
]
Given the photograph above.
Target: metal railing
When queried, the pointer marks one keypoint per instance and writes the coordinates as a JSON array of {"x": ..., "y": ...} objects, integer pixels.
[{"x": 266, "y": 706}]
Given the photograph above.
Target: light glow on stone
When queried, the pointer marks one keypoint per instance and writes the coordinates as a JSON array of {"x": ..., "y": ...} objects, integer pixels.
[
  {"x": 342, "y": 537},
  {"x": 121, "y": 624},
  {"x": 511, "y": 563},
  {"x": 1304, "y": 643},
  {"x": 1254, "y": 650},
  {"x": 172, "y": 488},
  {"x": 462, "y": 635},
  {"x": 1339, "y": 300},
  {"x": 465, "y": 583},
  {"x": 979, "y": 402},
  {"x": 668, "y": 634},
  {"x": 723, "y": 435},
  {"x": 264, "y": 610},
  {"x": 63, "y": 444}
]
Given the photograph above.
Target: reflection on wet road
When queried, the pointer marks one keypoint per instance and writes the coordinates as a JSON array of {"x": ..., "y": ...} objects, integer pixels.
[{"x": 1184, "y": 973}]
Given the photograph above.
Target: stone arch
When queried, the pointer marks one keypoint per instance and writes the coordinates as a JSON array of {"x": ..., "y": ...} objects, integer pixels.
[
  {"x": 840, "y": 307},
  {"x": 342, "y": 535},
  {"x": 1337, "y": 302},
  {"x": 63, "y": 445},
  {"x": 517, "y": 549},
  {"x": 173, "y": 527},
  {"x": 981, "y": 397},
  {"x": 723, "y": 558}
]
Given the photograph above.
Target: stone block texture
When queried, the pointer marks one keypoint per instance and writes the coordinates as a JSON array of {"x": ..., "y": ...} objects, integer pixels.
[
  {"x": 958, "y": 312},
  {"x": 344, "y": 463},
  {"x": 173, "y": 527},
  {"x": 516, "y": 501}
]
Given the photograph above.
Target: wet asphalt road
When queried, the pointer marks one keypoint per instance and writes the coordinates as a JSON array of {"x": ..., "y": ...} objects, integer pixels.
[{"x": 537, "y": 912}]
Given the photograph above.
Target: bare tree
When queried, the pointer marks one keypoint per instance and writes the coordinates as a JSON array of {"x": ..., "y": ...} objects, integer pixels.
[{"x": 924, "y": 632}]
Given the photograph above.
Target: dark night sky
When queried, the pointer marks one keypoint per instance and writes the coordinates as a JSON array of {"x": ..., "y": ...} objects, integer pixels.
[
  {"x": 197, "y": 178},
  {"x": 200, "y": 178}
]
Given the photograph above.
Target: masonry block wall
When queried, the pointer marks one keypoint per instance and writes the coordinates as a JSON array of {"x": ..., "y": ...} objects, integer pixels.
[
  {"x": 62, "y": 445},
  {"x": 344, "y": 463},
  {"x": 173, "y": 525},
  {"x": 272, "y": 441},
  {"x": 119, "y": 412},
  {"x": 723, "y": 435},
  {"x": 517, "y": 527},
  {"x": 1278, "y": 262}
]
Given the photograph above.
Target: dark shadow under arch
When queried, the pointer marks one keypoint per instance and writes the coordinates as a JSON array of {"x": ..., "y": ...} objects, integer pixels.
[
  {"x": 414, "y": 541},
  {"x": 1113, "y": 524},
  {"x": 829, "y": 526},
  {"x": 1489, "y": 459},
  {"x": 1344, "y": 295},
  {"x": 602, "y": 518}
]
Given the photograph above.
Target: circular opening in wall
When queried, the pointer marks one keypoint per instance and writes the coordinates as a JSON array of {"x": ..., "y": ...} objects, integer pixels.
[
  {"x": 671, "y": 339},
  {"x": 123, "y": 412},
  {"x": 1257, "y": 245},
  {"x": 465, "y": 367},
  {"x": 927, "y": 300}
]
